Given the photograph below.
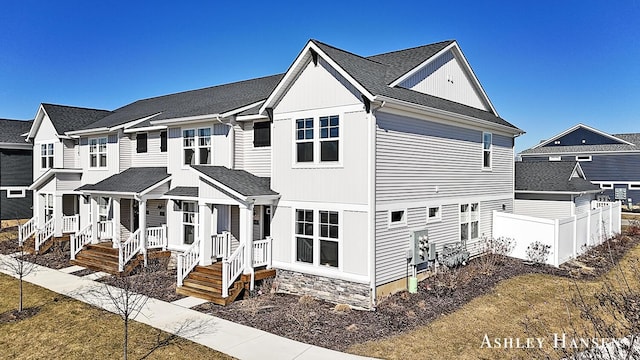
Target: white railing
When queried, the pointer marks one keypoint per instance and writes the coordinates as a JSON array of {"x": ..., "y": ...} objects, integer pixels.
[
  {"x": 598, "y": 204},
  {"x": 222, "y": 245},
  {"x": 262, "y": 252},
  {"x": 188, "y": 260},
  {"x": 105, "y": 229},
  {"x": 26, "y": 230},
  {"x": 157, "y": 237},
  {"x": 45, "y": 233},
  {"x": 128, "y": 249},
  {"x": 79, "y": 240},
  {"x": 232, "y": 268},
  {"x": 70, "y": 224}
]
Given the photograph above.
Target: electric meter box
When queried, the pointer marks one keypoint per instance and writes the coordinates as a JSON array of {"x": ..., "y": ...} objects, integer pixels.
[{"x": 421, "y": 249}]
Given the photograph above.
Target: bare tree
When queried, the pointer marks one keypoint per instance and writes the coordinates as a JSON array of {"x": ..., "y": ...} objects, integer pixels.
[{"x": 18, "y": 266}]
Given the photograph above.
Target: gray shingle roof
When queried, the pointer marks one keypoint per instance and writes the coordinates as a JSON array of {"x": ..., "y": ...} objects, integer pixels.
[
  {"x": 375, "y": 76},
  {"x": 10, "y": 130},
  {"x": 187, "y": 191},
  {"x": 69, "y": 118},
  {"x": 550, "y": 176},
  {"x": 211, "y": 100},
  {"x": 132, "y": 180},
  {"x": 633, "y": 138},
  {"x": 240, "y": 181}
]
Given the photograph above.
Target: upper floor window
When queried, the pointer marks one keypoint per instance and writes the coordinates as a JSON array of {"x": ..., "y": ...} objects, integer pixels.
[
  {"x": 486, "y": 150},
  {"x": 141, "y": 143},
  {"x": 324, "y": 140},
  {"x": 98, "y": 152},
  {"x": 196, "y": 146},
  {"x": 262, "y": 134},
  {"x": 46, "y": 156},
  {"x": 163, "y": 141}
]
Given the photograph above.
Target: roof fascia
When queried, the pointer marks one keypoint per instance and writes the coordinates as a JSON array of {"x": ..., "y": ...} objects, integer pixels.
[
  {"x": 185, "y": 119},
  {"x": 295, "y": 69},
  {"x": 467, "y": 67},
  {"x": 240, "y": 109},
  {"x": 146, "y": 128},
  {"x": 405, "y": 105},
  {"x": 251, "y": 117},
  {"x": 37, "y": 121},
  {"x": 16, "y": 146},
  {"x": 133, "y": 123},
  {"x": 99, "y": 192},
  {"x": 556, "y": 192},
  {"x": 178, "y": 197},
  {"x": 612, "y": 152},
  {"x": 219, "y": 184},
  {"x": 576, "y": 127},
  {"x": 52, "y": 172},
  {"x": 79, "y": 133},
  {"x": 155, "y": 186}
]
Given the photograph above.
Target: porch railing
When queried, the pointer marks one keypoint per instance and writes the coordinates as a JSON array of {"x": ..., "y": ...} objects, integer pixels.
[
  {"x": 128, "y": 249},
  {"x": 26, "y": 230},
  {"x": 232, "y": 268},
  {"x": 262, "y": 252},
  {"x": 105, "y": 229},
  {"x": 70, "y": 224},
  {"x": 157, "y": 237},
  {"x": 599, "y": 204},
  {"x": 188, "y": 260},
  {"x": 80, "y": 239},
  {"x": 222, "y": 245},
  {"x": 45, "y": 233}
]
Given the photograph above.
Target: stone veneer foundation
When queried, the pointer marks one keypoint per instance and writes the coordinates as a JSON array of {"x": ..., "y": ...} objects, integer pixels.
[{"x": 332, "y": 290}]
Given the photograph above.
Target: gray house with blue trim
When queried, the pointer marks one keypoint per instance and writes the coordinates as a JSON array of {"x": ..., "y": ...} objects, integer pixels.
[{"x": 608, "y": 160}]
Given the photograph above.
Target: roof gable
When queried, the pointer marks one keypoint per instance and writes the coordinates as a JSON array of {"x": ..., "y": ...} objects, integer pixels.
[
  {"x": 12, "y": 131},
  {"x": 582, "y": 135},
  {"x": 65, "y": 118},
  {"x": 551, "y": 176}
]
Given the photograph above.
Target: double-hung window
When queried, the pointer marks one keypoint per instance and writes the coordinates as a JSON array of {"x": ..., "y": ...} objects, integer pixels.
[
  {"x": 189, "y": 222},
  {"x": 48, "y": 207},
  {"x": 304, "y": 140},
  {"x": 163, "y": 141},
  {"x": 46, "y": 156},
  {"x": 486, "y": 150},
  {"x": 196, "y": 146},
  {"x": 141, "y": 142},
  {"x": 469, "y": 221},
  {"x": 98, "y": 152},
  {"x": 317, "y": 135},
  {"x": 262, "y": 134},
  {"x": 103, "y": 208},
  {"x": 317, "y": 237},
  {"x": 329, "y": 133}
]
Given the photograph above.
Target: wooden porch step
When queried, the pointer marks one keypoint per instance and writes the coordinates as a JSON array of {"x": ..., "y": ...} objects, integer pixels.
[
  {"x": 211, "y": 286},
  {"x": 30, "y": 244},
  {"x": 214, "y": 297}
]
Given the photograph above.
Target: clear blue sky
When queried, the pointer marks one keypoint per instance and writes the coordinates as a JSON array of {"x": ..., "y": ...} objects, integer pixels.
[{"x": 546, "y": 65}]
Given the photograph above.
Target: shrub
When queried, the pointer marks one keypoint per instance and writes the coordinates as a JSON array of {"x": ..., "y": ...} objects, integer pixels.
[{"x": 538, "y": 252}]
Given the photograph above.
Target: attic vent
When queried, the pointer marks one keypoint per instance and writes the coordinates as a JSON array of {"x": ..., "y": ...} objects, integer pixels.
[
  {"x": 584, "y": 141},
  {"x": 557, "y": 142}
]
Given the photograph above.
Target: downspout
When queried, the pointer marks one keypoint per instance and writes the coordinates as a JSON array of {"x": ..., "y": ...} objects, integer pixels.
[
  {"x": 232, "y": 140},
  {"x": 371, "y": 179}
]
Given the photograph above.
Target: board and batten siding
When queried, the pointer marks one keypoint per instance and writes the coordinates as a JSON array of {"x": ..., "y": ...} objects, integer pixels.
[
  {"x": 256, "y": 160},
  {"x": 445, "y": 77}
]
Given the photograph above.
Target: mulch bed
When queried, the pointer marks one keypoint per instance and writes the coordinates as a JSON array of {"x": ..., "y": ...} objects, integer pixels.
[
  {"x": 153, "y": 281},
  {"x": 15, "y": 315},
  {"x": 56, "y": 258},
  {"x": 83, "y": 272},
  {"x": 323, "y": 324}
]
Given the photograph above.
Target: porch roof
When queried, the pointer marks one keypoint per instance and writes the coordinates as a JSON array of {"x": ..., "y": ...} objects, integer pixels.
[
  {"x": 135, "y": 181},
  {"x": 240, "y": 181},
  {"x": 551, "y": 176},
  {"x": 44, "y": 178},
  {"x": 183, "y": 191}
]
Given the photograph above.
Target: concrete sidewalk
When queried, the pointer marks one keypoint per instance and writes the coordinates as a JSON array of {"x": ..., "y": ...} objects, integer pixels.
[{"x": 237, "y": 340}]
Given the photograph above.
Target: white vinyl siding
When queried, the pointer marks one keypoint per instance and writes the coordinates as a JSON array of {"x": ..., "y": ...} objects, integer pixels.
[
  {"x": 256, "y": 160},
  {"x": 547, "y": 209},
  {"x": 70, "y": 154},
  {"x": 153, "y": 156},
  {"x": 126, "y": 149}
]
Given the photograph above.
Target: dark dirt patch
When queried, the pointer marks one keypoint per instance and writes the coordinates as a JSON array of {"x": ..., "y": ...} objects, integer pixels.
[
  {"x": 83, "y": 272},
  {"x": 9, "y": 247},
  {"x": 316, "y": 322},
  {"x": 153, "y": 281},
  {"x": 14, "y": 315},
  {"x": 56, "y": 258}
]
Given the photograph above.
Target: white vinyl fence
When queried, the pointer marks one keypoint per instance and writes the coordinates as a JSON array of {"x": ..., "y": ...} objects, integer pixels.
[{"x": 568, "y": 238}]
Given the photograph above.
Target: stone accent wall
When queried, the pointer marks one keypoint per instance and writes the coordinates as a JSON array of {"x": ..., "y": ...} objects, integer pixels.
[{"x": 332, "y": 290}]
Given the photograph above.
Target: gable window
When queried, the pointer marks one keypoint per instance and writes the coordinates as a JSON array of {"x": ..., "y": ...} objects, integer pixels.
[
  {"x": 98, "y": 152},
  {"x": 16, "y": 193},
  {"x": 304, "y": 236},
  {"x": 189, "y": 222},
  {"x": 196, "y": 146},
  {"x": 583, "y": 158},
  {"x": 141, "y": 142},
  {"x": 163, "y": 141},
  {"x": 46, "y": 156},
  {"x": 397, "y": 218},
  {"x": 469, "y": 222},
  {"x": 634, "y": 186},
  {"x": 262, "y": 134},
  {"x": 329, "y": 238},
  {"x": 555, "y": 158},
  {"x": 434, "y": 214},
  {"x": 304, "y": 140},
  {"x": 486, "y": 150},
  {"x": 329, "y": 132},
  {"x": 606, "y": 186}
]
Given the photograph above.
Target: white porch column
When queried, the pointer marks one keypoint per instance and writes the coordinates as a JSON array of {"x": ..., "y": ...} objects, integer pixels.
[
  {"x": 246, "y": 235},
  {"x": 57, "y": 215},
  {"x": 94, "y": 220},
  {"x": 142, "y": 223},
  {"x": 204, "y": 233},
  {"x": 115, "y": 206}
]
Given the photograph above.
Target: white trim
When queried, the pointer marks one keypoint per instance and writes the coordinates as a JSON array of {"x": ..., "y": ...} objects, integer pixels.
[
  {"x": 9, "y": 189},
  {"x": 443, "y": 201},
  {"x": 490, "y": 150},
  {"x": 555, "y": 158},
  {"x": 397, "y": 224},
  {"x": 435, "y": 219},
  {"x": 155, "y": 186},
  {"x": 145, "y": 129},
  {"x": 98, "y": 153},
  {"x": 241, "y": 109},
  {"x": 602, "y": 152},
  {"x": 196, "y": 147},
  {"x": 316, "y": 239},
  {"x": 606, "y": 185},
  {"x": 585, "y": 158},
  {"x": 556, "y": 192},
  {"x": 251, "y": 117},
  {"x": 324, "y": 205},
  {"x": 198, "y": 118},
  {"x": 576, "y": 127},
  {"x": 321, "y": 271},
  {"x": 637, "y": 186}
]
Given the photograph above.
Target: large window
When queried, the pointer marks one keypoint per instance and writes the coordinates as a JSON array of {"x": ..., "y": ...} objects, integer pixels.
[
  {"x": 317, "y": 237},
  {"x": 197, "y": 146},
  {"x": 486, "y": 150},
  {"x": 46, "y": 156},
  {"x": 189, "y": 222},
  {"x": 141, "y": 143},
  {"x": 262, "y": 134},
  {"x": 469, "y": 217},
  {"x": 98, "y": 152},
  {"x": 324, "y": 140}
]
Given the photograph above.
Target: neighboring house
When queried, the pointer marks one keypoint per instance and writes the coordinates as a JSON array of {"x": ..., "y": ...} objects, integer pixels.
[
  {"x": 552, "y": 190},
  {"x": 321, "y": 173},
  {"x": 610, "y": 161},
  {"x": 15, "y": 170}
]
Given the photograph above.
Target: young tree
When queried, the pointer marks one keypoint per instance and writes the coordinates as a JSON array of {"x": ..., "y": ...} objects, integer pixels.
[{"x": 18, "y": 266}]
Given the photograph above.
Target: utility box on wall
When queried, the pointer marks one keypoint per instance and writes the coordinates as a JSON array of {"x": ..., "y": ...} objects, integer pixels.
[{"x": 422, "y": 251}]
